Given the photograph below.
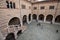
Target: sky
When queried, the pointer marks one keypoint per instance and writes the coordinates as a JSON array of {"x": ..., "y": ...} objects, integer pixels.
[{"x": 41, "y": 0}]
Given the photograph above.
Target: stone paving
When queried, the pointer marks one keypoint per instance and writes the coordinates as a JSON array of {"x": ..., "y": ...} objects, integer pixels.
[{"x": 43, "y": 32}]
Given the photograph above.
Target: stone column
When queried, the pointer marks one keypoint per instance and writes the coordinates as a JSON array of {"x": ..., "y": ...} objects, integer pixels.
[
  {"x": 31, "y": 17},
  {"x": 30, "y": 20},
  {"x": 15, "y": 33},
  {"x": 27, "y": 19},
  {"x": 53, "y": 20},
  {"x": 21, "y": 22},
  {"x": 45, "y": 19},
  {"x": 37, "y": 17}
]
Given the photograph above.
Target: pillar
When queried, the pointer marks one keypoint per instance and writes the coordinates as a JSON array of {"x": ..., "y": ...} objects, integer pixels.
[
  {"x": 21, "y": 21},
  {"x": 45, "y": 19},
  {"x": 37, "y": 17},
  {"x": 31, "y": 17},
  {"x": 28, "y": 19},
  {"x": 53, "y": 20}
]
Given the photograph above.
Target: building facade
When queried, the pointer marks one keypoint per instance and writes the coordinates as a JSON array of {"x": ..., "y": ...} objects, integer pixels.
[
  {"x": 15, "y": 13},
  {"x": 47, "y": 11}
]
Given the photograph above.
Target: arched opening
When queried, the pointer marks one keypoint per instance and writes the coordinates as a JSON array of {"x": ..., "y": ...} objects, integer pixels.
[
  {"x": 24, "y": 19},
  {"x": 29, "y": 17},
  {"x": 7, "y": 4},
  {"x": 10, "y": 36},
  {"x": 34, "y": 16},
  {"x": 14, "y": 21},
  {"x": 49, "y": 18},
  {"x": 14, "y": 6},
  {"x": 19, "y": 32},
  {"x": 57, "y": 19},
  {"x": 11, "y": 5},
  {"x": 41, "y": 17}
]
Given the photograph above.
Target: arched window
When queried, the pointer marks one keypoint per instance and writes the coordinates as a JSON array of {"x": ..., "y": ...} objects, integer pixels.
[
  {"x": 11, "y": 5},
  {"x": 7, "y": 4},
  {"x": 57, "y": 19},
  {"x": 49, "y": 18},
  {"x": 14, "y": 5}
]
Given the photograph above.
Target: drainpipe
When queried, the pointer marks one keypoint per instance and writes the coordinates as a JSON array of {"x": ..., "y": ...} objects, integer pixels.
[
  {"x": 38, "y": 12},
  {"x": 31, "y": 11},
  {"x": 55, "y": 11},
  {"x": 20, "y": 14}
]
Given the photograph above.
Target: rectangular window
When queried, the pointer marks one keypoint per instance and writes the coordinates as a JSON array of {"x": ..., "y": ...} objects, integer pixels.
[
  {"x": 29, "y": 7},
  {"x": 34, "y": 0},
  {"x": 35, "y": 8},
  {"x": 23, "y": 7},
  {"x": 51, "y": 7},
  {"x": 42, "y": 7}
]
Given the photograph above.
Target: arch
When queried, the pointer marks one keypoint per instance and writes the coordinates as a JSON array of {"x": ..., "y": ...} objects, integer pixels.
[
  {"x": 19, "y": 32},
  {"x": 34, "y": 16},
  {"x": 24, "y": 19},
  {"x": 49, "y": 18},
  {"x": 29, "y": 17},
  {"x": 10, "y": 36},
  {"x": 41, "y": 17},
  {"x": 14, "y": 21},
  {"x": 57, "y": 19}
]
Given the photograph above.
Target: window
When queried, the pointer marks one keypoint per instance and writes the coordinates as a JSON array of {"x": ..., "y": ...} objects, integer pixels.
[
  {"x": 7, "y": 4},
  {"x": 35, "y": 8},
  {"x": 42, "y": 7},
  {"x": 10, "y": 5},
  {"x": 51, "y": 7},
  {"x": 58, "y": 0},
  {"x": 13, "y": 5},
  {"x": 23, "y": 7},
  {"x": 29, "y": 7},
  {"x": 34, "y": 0}
]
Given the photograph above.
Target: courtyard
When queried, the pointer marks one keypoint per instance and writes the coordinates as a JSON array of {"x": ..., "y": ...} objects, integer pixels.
[{"x": 43, "y": 32}]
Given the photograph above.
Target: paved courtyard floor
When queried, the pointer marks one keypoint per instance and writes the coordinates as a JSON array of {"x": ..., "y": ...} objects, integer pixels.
[{"x": 43, "y": 32}]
